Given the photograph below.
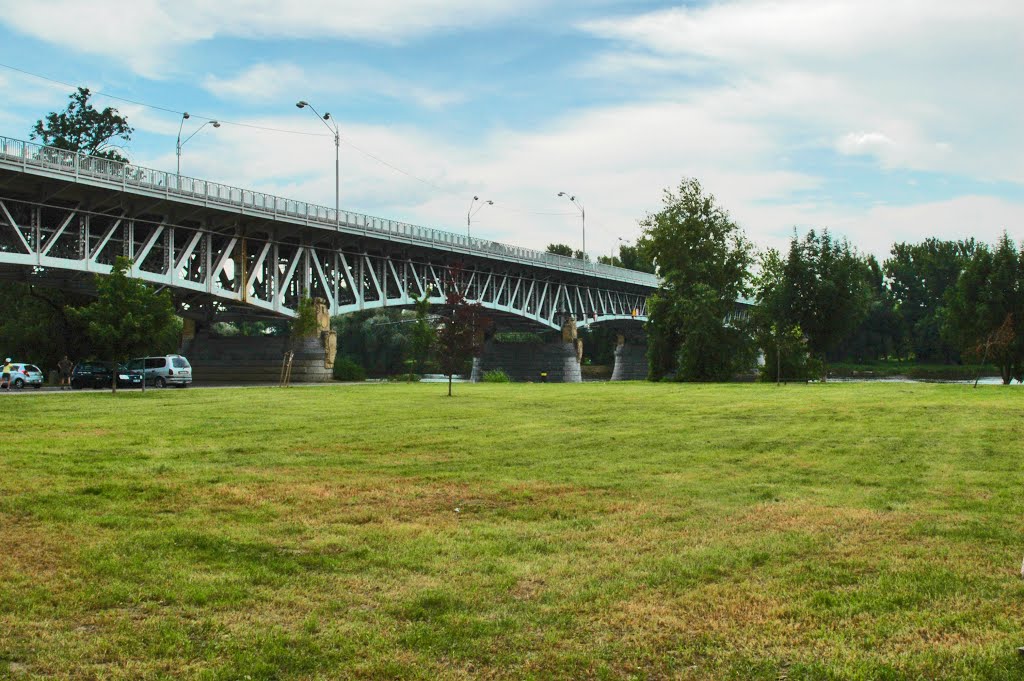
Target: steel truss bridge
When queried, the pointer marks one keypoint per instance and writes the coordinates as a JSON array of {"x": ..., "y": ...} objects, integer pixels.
[{"x": 236, "y": 253}]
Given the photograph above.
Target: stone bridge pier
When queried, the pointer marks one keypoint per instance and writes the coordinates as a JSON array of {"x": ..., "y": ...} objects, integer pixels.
[
  {"x": 630, "y": 357},
  {"x": 551, "y": 361},
  {"x": 258, "y": 359}
]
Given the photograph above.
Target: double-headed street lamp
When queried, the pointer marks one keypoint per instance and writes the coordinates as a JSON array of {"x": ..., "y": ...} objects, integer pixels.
[
  {"x": 470, "y": 213},
  {"x": 185, "y": 117},
  {"x": 583, "y": 217},
  {"x": 302, "y": 104}
]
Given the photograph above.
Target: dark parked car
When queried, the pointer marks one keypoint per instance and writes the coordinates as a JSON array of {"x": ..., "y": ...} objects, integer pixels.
[{"x": 99, "y": 374}]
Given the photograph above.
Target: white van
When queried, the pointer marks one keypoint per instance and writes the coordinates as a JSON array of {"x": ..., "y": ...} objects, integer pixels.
[{"x": 164, "y": 371}]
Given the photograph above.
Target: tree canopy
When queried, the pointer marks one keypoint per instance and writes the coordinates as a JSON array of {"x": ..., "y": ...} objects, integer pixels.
[
  {"x": 703, "y": 259},
  {"x": 128, "y": 317},
  {"x": 81, "y": 127},
  {"x": 460, "y": 337},
  {"x": 987, "y": 303}
]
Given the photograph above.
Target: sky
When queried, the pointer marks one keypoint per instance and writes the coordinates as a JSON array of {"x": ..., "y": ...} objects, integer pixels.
[{"x": 882, "y": 121}]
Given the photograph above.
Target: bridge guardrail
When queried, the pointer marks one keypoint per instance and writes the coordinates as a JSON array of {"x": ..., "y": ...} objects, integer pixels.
[{"x": 76, "y": 164}]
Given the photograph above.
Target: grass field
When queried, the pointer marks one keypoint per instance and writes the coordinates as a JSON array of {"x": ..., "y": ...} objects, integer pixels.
[{"x": 840, "y": 531}]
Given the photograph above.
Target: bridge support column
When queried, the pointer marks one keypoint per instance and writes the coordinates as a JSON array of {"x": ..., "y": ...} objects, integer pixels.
[{"x": 630, "y": 359}]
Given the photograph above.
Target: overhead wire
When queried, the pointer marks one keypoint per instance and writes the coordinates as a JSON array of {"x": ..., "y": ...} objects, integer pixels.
[{"x": 348, "y": 142}]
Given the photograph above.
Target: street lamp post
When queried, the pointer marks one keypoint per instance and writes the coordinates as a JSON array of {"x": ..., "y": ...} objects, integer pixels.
[
  {"x": 185, "y": 117},
  {"x": 470, "y": 213},
  {"x": 302, "y": 104},
  {"x": 583, "y": 218}
]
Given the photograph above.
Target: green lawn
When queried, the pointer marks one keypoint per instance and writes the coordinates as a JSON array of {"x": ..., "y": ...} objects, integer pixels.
[{"x": 839, "y": 531}]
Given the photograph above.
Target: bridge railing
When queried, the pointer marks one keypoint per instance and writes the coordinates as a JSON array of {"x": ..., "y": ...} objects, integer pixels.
[{"x": 77, "y": 164}]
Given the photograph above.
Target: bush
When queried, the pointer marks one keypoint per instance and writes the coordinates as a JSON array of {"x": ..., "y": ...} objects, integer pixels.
[
  {"x": 345, "y": 369},
  {"x": 496, "y": 376},
  {"x": 519, "y": 337}
]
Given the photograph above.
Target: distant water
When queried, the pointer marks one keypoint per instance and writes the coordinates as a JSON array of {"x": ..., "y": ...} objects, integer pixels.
[{"x": 984, "y": 380}]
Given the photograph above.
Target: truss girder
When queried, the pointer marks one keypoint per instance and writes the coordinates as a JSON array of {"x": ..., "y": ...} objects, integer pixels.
[{"x": 271, "y": 272}]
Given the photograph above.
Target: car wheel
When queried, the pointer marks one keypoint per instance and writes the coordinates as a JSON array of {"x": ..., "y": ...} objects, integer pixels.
[
  {"x": 183, "y": 385},
  {"x": 37, "y": 386},
  {"x": 19, "y": 383},
  {"x": 160, "y": 382}
]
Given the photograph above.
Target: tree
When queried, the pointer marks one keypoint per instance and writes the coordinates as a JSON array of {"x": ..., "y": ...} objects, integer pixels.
[
  {"x": 881, "y": 332},
  {"x": 304, "y": 323},
  {"x": 782, "y": 340},
  {"x": 636, "y": 258},
  {"x": 566, "y": 250},
  {"x": 560, "y": 249},
  {"x": 127, "y": 318},
  {"x": 703, "y": 259},
  {"x": 82, "y": 128},
  {"x": 988, "y": 295},
  {"x": 460, "y": 335},
  {"x": 38, "y": 326},
  {"x": 421, "y": 337},
  {"x": 629, "y": 257},
  {"x": 823, "y": 291},
  {"x": 919, "y": 277}
]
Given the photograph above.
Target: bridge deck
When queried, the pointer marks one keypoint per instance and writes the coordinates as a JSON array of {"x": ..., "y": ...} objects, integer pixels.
[{"x": 26, "y": 157}]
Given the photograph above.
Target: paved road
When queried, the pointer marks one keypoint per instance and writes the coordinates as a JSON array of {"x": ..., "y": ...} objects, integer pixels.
[{"x": 52, "y": 390}]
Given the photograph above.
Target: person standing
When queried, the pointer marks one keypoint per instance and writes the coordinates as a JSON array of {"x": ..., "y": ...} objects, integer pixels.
[
  {"x": 5, "y": 376},
  {"x": 64, "y": 367}
]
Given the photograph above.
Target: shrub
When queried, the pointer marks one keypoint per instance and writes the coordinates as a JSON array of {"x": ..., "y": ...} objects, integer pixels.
[
  {"x": 521, "y": 337},
  {"x": 346, "y": 369},
  {"x": 496, "y": 376}
]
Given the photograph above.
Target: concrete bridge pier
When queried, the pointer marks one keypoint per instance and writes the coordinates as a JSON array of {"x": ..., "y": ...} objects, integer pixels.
[
  {"x": 559, "y": 359},
  {"x": 630, "y": 358}
]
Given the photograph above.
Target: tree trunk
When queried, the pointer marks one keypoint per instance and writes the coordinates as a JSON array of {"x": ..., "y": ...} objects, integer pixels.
[
  {"x": 778, "y": 363},
  {"x": 449, "y": 385},
  {"x": 824, "y": 368},
  {"x": 113, "y": 381}
]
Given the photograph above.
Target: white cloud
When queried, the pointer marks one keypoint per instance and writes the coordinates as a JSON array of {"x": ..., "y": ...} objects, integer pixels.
[
  {"x": 146, "y": 34},
  {"x": 932, "y": 77},
  {"x": 283, "y": 80}
]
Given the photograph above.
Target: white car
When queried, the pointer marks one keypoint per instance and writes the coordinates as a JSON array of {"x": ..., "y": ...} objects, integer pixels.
[
  {"x": 164, "y": 371},
  {"x": 26, "y": 375}
]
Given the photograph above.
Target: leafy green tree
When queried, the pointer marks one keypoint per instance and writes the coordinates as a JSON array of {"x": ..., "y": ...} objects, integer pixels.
[
  {"x": 781, "y": 340},
  {"x": 881, "y": 332},
  {"x": 304, "y": 323},
  {"x": 636, "y": 258},
  {"x": 703, "y": 259},
  {"x": 630, "y": 257},
  {"x": 378, "y": 340},
  {"x": 128, "y": 317},
  {"x": 82, "y": 128},
  {"x": 566, "y": 250},
  {"x": 988, "y": 296},
  {"x": 919, "y": 277},
  {"x": 421, "y": 337},
  {"x": 823, "y": 291},
  {"x": 38, "y": 327}
]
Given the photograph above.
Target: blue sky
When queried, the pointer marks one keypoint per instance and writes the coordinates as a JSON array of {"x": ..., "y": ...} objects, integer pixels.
[{"x": 882, "y": 121}]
